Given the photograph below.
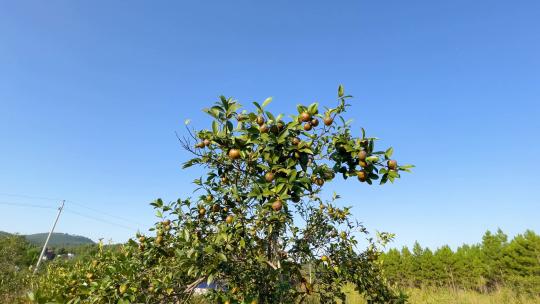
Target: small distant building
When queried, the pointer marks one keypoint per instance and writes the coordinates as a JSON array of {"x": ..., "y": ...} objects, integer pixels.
[{"x": 49, "y": 255}]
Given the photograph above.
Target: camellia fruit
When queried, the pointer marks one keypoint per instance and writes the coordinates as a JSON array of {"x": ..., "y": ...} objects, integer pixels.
[
  {"x": 206, "y": 142},
  {"x": 215, "y": 208},
  {"x": 392, "y": 164},
  {"x": 269, "y": 177},
  {"x": 362, "y": 155},
  {"x": 319, "y": 181},
  {"x": 363, "y": 164},
  {"x": 295, "y": 141},
  {"x": 234, "y": 154},
  {"x": 202, "y": 211},
  {"x": 305, "y": 117},
  {"x": 314, "y": 122},
  {"x": 277, "y": 205},
  {"x": 260, "y": 120},
  {"x": 229, "y": 219},
  {"x": 264, "y": 128},
  {"x": 328, "y": 120},
  {"x": 307, "y": 126},
  {"x": 362, "y": 176}
]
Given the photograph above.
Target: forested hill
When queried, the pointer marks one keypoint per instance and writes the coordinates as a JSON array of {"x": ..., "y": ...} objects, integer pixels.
[{"x": 58, "y": 239}]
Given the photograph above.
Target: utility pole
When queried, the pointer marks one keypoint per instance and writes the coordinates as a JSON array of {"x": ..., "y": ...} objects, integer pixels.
[{"x": 49, "y": 236}]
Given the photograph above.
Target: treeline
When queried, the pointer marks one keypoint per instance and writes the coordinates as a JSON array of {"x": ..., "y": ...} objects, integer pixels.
[{"x": 494, "y": 263}]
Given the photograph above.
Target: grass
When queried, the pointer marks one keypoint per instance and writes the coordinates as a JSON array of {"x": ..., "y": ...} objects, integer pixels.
[{"x": 448, "y": 296}]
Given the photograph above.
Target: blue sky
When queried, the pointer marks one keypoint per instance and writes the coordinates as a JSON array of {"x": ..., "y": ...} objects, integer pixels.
[{"x": 91, "y": 94}]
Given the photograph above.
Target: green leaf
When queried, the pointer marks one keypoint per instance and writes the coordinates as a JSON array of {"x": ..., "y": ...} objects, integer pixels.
[
  {"x": 266, "y": 101},
  {"x": 389, "y": 153},
  {"x": 215, "y": 127},
  {"x": 340, "y": 91},
  {"x": 258, "y": 106}
]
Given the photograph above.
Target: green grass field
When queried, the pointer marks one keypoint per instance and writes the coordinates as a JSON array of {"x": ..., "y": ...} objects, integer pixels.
[{"x": 448, "y": 296}]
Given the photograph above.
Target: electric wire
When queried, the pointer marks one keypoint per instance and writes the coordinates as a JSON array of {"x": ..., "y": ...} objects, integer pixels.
[{"x": 71, "y": 202}]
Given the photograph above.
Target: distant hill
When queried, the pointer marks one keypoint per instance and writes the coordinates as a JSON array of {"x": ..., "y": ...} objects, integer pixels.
[
  {"x": 3, "y": 233},
  {"x": 58, "y": 239}
]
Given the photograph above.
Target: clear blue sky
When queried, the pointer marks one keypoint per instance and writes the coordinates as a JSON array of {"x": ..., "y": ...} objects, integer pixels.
[{"x": 91, "y": 94}]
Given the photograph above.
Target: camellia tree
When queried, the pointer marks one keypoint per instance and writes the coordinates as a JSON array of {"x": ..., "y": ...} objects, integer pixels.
[{"x": 259, "y": 229}]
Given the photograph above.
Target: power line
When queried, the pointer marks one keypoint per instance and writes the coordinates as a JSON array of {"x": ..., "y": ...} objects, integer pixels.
[
  {"x": 30, "y": 196},
  {"x": 101, "y": 220},
  {"x": 73, "y": 203},
  {"x": 27, "y": 205},
  {"x": 104, "y": 213},
  {"x": 70, "y": 211}
]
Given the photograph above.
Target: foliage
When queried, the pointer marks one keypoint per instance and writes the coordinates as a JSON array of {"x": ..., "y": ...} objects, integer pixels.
[
  {"x": 485, "y": 267},
  {"x": 16, "y": 255},
  {"x": 258, "y": 227}
]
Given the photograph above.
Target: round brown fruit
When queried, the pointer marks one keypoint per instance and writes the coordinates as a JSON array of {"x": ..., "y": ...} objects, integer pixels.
[
  {"x": 319, "y": 181},
  {"x": 362, "y": 176},
  {"x": 260, "y": 120},
  {"x": 362, "y": 155},
  {"x": 199, "y": 145},
  {"x": 142, "y": 239},
  {"x": 264, "y": 128},
  {"x": 159, "y": 239},
  {"x": 277, "y": 205},
  {"x": 295, "y": 141},
  {"x": 234, "y": 154},
  {"x": 328, "y": 120},
  {"x": 305, "y": 117},
  {"x": 202, "y": 211},
  {"x": 363, "y": 164},
  {"x": 209, "y": 197},
  {"x": 166, "y": 222},
  {"x": 280, "y": 126},
  {"x": 207, "y": 142},
  {"x": 215, "y": 208},
  {"x": 224, "y": 180},
  {"x": 392, "y": 164},
  {"x": 314, "y": 122},
  {"x": 307, "y": 126},
  {"x": 269, "y": 177},
  {"x": 229, "y": 219}
]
